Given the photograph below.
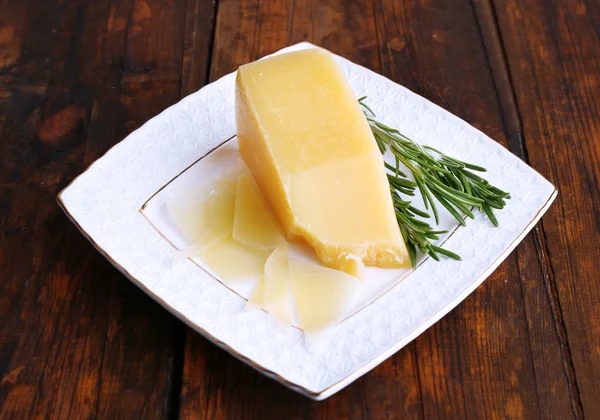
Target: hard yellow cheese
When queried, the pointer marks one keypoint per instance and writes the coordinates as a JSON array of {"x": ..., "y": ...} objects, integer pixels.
[
  {"x": 277, "y": 294},
  {"x": 257, "y": 299},
  {"x": 207, "y": 221},
  {"x": 231, "y": 260},
  {"x": 205, "y": 217},
  {"x": 304, "y": 137},
  {"x": 253, "y": 223},
  {"x": 322, "y": 296}
]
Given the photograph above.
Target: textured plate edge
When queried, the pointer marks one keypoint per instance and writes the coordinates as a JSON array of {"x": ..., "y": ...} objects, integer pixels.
[{"x": 329, "y": 391}]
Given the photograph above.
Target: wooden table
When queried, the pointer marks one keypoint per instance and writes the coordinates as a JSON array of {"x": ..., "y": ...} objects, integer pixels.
[{"x": 78, "y": 340}]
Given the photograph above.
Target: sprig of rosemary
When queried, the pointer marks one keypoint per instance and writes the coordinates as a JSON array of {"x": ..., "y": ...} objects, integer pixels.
[
  {"x": 451, "y": 181},
  {"x": 417, "y": 233}
]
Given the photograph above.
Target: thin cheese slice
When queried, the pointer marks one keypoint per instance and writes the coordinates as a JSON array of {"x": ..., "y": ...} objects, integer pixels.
[
  {"x": 207, "y": 218},
  {"x": 256, "y": 300},
  {"x": 188, "y": 215},
  {"x": 253, "y": 223},
  {"x": 220, "y": 207},
  {"x": 322, "y": 296},
  {"x": 309, "y": 148},
  {"x": 278, "y": 293},
  {"x": 231, "y": 260},
  {"x": 208, "y": 223}
]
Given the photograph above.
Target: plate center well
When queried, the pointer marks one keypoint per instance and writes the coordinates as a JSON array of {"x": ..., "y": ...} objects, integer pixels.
[{"x": 191, "y": 184}]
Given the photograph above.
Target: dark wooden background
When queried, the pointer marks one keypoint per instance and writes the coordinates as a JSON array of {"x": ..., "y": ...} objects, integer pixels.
[{"x": 78, "y": 340}]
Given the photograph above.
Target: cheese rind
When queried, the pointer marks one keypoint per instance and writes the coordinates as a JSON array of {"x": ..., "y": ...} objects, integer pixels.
[{"x": 310, "y": 149}]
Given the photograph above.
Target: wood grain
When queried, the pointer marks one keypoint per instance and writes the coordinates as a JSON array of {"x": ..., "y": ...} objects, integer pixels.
[
  {"x": 554, "y": 67},
  {"x": 198, "y": 42},
  {"x": 554, "y": 390},
  {"x": 458, "y": 356},
  {"x": 78, "y": 340}
]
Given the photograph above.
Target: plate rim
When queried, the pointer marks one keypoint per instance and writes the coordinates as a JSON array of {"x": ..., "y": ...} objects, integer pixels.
[
  {"x": 369, "y": 365},
  {"x": 332, "y": 389}
]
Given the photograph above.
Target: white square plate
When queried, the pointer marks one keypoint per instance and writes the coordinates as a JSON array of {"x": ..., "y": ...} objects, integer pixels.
[{"x": 116, "y": 203}]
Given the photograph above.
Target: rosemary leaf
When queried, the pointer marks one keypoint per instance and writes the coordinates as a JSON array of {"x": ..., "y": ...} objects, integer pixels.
[{"x": 449, "y": 180}]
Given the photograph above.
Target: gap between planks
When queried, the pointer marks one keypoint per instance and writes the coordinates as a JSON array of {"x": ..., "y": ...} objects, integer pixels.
[{"x": 493, "y": 42}]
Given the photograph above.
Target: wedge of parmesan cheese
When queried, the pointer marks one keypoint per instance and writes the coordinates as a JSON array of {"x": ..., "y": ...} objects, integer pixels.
[{"x": 310, "y": 149}]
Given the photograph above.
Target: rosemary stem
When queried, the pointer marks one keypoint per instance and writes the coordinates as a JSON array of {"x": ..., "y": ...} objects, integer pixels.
[{"x": 436, "y": 175}]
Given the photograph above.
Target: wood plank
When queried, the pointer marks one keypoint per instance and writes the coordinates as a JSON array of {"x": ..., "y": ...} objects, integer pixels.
[
  {"x": 248, "y": 30},
  {"x": 198, "y": 42},
  {"x": 21, "y": 65},
  {"x": 38, "y": 339},
  {"x": 27, "y": 39},
  {"x": 79, "y": 339},
  {"x": 507, "y": 318},
  {"x": 554, "y": 395},
  {"x": 144, "y": 73},
  {"x": 554, "y": 67}
]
